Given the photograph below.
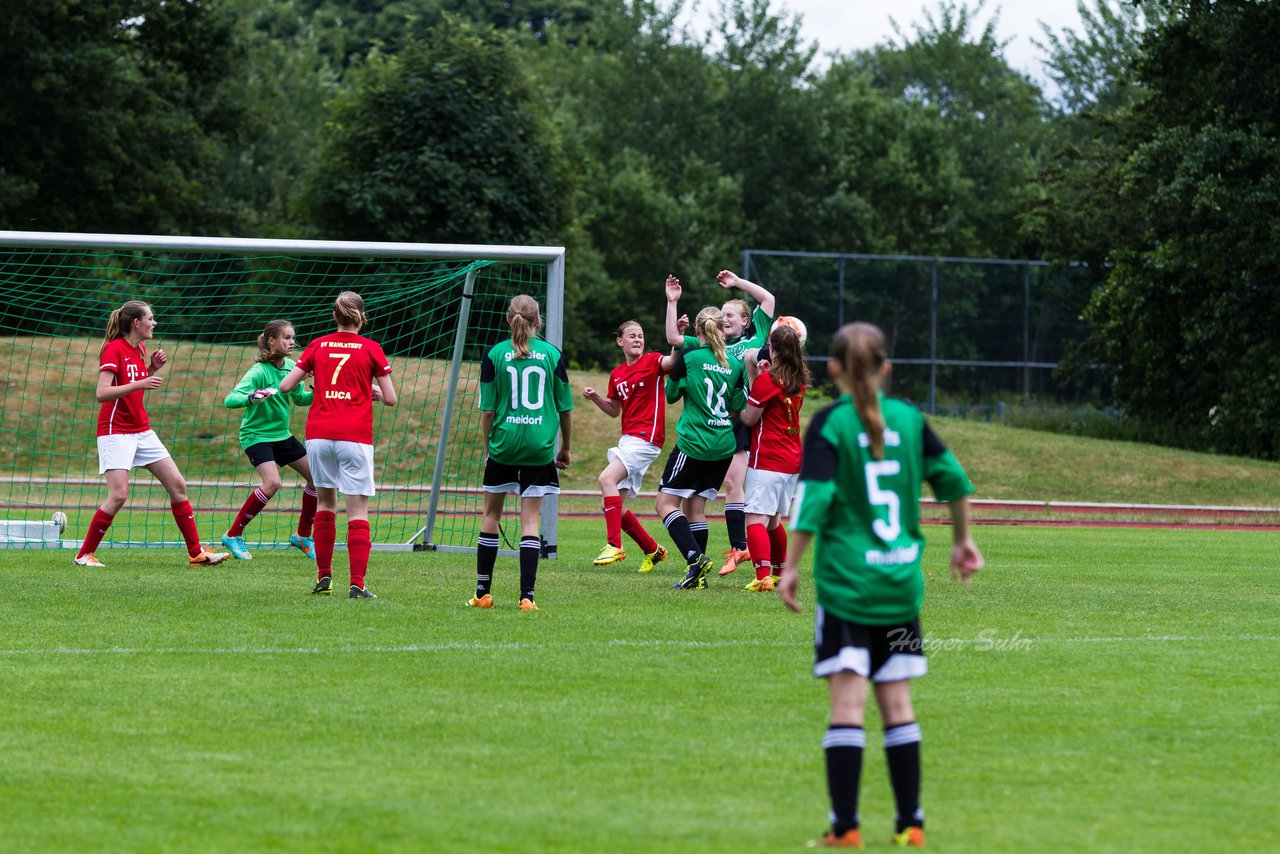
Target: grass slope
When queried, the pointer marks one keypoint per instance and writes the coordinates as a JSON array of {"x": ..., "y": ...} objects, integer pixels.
[{"x": 1087, "y": 683}]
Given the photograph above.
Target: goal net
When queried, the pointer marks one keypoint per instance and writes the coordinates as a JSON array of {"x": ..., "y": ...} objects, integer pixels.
[{"x": 434, "y": 308}]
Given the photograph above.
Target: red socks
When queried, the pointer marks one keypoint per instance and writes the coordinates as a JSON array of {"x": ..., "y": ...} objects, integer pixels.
[
  {"x": 636, "y": 531},
  {"x": 252, "y": 506},
  {"x": 97, "y": 530},
  {"x": 758, "y": 545},
  {"x": 308, "y": 515},
  {"x": 778, "y": 547},
  {"x": 325, "y": 533},
  {"x": 358, "y": 546},
  {"x": 186, "y": 519},
  {"x": 613, "y": 520}
]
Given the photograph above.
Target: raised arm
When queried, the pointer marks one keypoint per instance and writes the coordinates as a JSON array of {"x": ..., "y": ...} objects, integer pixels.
[
  {"x": 675, "y": 335},
  {"x": 730, "y": 279},
  {"x": 612, "y": 408}
]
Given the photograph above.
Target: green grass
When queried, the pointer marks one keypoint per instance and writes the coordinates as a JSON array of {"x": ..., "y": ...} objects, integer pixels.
[{"x": 1096, "y": 689}]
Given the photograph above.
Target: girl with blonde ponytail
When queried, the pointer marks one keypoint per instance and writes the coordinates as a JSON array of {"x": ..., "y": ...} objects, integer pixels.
[
  {"x": 745, "y": 331},
  {"x": 125, "y": 438},
  {"x": 525, "y": 402},
  {"x": 710, "y": 379},
  {"x": 865, "y": 459},
  {"x": 346, "y": 368}
]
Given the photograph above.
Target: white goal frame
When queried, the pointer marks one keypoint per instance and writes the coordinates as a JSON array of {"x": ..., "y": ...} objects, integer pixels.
[{"x": 552, "y": 256}]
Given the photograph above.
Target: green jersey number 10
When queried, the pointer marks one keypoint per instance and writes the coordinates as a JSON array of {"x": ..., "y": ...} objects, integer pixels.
[{"x": 528, "y": 387}]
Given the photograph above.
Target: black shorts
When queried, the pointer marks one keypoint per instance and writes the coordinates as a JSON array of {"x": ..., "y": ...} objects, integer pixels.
[
  {"x": 525, "y": 481},
  {"x": 742, "y": 436},
  {"x": 686, "y": 477},
  {"x": 281, "y": 453},
  {"x": 880, "y": 653}
]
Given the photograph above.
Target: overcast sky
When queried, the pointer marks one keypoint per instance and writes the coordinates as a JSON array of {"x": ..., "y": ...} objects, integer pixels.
[{"x": 847, "y": 25}]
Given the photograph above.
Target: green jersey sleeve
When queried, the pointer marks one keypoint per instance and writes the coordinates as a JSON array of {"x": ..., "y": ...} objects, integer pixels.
[
  {"x": 563, "y": 392},
  {"x": 945, "y": 475},
  {"x": 488, "y": 377},
  {"x": 816, "y": 490},
  {"x": 238, "y": 397}
]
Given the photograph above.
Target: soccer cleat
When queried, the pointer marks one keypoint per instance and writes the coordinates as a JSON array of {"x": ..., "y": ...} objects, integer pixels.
[
  {"x": 775, "y": 579},
  {"x": 485, "y": 601},
  {"x": 358, "y": 592},
  {"x": 609, "y": 554},
  {"x": 848, "y": 839},
  {"x": 733, "y": 557},
  {"x": 236, "y": 546},
  {"x": 88, "y": 560},
  {"x": 761, "y": 585},
  {"x": 652, "y": 560},
  {"x": 696, "y": 577},
  {"x": 324, "y": 586},
  {"x": 912, "y": 837},
  {"x": 306, "y": 545},
  {"x": 527, "y": 605},
  {"x": 208, "y": 558}
]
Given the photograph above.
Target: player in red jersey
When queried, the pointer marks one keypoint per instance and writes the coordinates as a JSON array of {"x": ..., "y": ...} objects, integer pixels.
[
  {"x": 125, "y": 438},
  {"x": 636, "y": 393},
  {"x": 340, "y": 435},
  {"x": 773, "y": 460}
]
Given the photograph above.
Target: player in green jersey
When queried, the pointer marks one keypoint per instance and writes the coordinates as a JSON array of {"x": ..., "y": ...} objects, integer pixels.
[
  {"x": 267, "y": 440},
  {"x": 865, "y": 458},
  {"x": 745, "y": 332},
  {"x": 710, "y": 381},
  {"x": 525, "y": 400}
]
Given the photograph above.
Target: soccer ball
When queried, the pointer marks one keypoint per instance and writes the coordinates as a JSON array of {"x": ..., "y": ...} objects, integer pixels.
[
  {"x": 795, "y": 323},
  {"x": 60, "y": 519}
]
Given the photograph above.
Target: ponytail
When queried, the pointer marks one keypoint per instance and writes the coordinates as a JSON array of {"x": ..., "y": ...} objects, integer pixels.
[
  {"x": 120, "y": 323},
  {"x": 708, "y": 328},
  {"x": 524, "y": 319},
  {"x": 860, "y": 350},
  {"x": 348, "y": 310},
  {"x": 273, "y": 330},
  {"x": 787, "y": 365}
]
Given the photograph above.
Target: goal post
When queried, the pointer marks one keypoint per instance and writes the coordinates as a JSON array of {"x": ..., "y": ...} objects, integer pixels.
[{"x": 434, "y": 308}]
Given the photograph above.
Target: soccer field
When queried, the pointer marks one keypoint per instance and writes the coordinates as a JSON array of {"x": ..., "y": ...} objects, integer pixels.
[{"x": 1096, "y": 689}]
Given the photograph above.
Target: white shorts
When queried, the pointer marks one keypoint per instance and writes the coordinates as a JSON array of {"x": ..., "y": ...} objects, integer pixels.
[
  {"x": 130, "y": 450},
  {"x": 768, "y": 493},
  {"x": 344, "y": 466},
  {"x": 636, "y": 455}
]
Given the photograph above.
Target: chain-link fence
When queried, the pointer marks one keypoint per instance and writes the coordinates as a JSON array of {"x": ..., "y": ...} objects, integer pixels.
[{"x": 961, "y": 331}]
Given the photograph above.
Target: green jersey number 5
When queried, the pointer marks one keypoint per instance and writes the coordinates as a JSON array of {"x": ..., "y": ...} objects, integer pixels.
[{"x": 885, "y": 530}]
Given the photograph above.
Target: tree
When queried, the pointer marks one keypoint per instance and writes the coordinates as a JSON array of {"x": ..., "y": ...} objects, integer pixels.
[
  {"x": 441, "y": 142},
  {"x": 1188, "y": 318},
  {"x": 116, "y": 117},
  {"x": 994, "y": 121}
]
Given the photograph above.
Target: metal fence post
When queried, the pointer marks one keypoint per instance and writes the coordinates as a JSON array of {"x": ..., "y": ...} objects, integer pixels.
[{"x": 933, "y": 338}]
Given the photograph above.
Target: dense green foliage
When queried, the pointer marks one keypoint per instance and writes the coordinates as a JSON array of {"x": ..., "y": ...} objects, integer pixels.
[{"x": 648, "y": 148}]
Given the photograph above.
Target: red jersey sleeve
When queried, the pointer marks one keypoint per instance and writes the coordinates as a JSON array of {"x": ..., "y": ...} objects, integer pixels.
[
  {"x": 381, "y": 365},
  {"x": 762, "y": 390}
]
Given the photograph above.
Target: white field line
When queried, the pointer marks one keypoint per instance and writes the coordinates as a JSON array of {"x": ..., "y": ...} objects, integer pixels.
[{"x": 1015, "y": 641}]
